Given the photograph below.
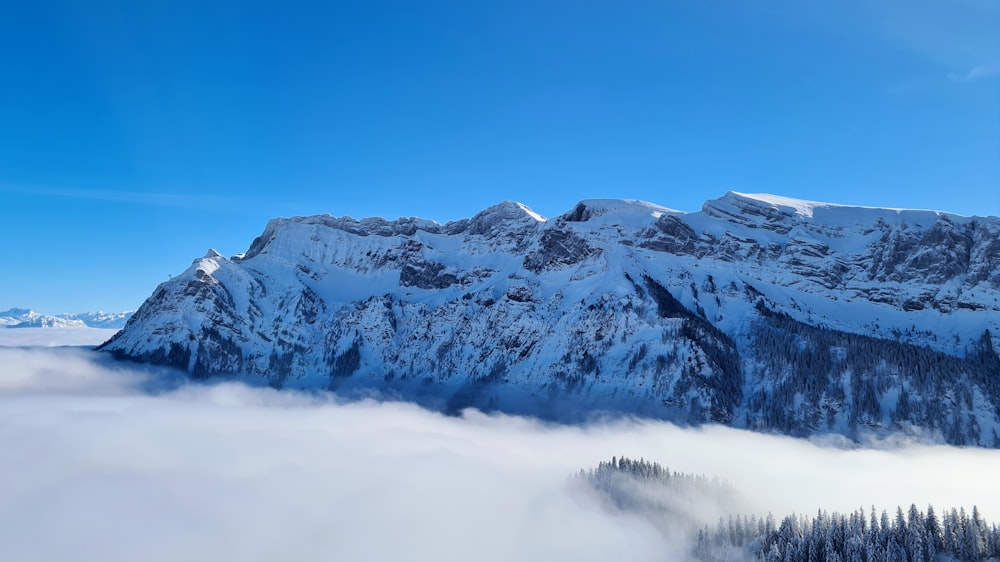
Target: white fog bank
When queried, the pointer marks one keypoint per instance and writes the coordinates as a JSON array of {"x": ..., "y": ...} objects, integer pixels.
[
  {"x": 95, "y": 469},
  {"x": 52, "y": 337}
]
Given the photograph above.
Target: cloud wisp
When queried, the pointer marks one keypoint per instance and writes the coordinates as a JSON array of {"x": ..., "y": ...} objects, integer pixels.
[
  {"x": 976, "y": 73},
  {"x": 100, "y": 470}
]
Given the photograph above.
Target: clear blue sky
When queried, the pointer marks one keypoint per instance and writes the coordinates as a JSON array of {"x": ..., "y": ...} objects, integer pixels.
[{"x": 136, "y": 135}]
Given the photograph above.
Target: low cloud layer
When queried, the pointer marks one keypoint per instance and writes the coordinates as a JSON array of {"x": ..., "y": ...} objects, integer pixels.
[{"x": 95, "y": 468}]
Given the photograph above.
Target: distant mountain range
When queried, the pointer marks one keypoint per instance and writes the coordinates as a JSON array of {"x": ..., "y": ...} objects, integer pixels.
[
  {"x": 759, "y": 311},
  {"x": 27, "y": 318}
]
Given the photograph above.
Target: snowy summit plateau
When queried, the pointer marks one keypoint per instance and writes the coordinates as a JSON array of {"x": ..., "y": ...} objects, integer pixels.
[{"x": 758, "y": 311}]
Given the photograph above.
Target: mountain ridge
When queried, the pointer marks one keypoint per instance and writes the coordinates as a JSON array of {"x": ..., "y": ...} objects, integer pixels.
[
  {"x": 616, "y": 305},
  {"x": 28, "y": 318}
]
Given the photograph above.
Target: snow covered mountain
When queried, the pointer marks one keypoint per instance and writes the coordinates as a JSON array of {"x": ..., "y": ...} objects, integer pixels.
[
  {"x": 27, "y": 318},
  {"x": 100, "y": 319},
  {"x": 758, "y": 311}
]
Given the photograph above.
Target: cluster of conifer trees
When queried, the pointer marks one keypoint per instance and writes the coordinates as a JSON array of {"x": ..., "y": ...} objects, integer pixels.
[
  {"x": 915, "y": 536},
  {"x": 649, "y": 489},
  {"x": 839, "y": 379}
]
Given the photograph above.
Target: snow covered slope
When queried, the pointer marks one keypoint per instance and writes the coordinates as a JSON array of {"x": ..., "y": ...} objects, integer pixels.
[{"x": 758, "y": 311}]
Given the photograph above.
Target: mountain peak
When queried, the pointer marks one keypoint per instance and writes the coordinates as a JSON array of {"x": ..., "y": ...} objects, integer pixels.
[
  {"x": 781, "y": 214},
  {"x": 620, "y": 208},
  {"x": 786, "y": 205},
  {"x": 807, "y": 209},
  {"x": 509, "y": 210},
  {"x": 489, "y": 221},
  {"x": 15, "y": 312}
]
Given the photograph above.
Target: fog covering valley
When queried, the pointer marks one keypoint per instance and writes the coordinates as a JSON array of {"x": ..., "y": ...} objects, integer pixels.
[{"x": 116, "y": 461}]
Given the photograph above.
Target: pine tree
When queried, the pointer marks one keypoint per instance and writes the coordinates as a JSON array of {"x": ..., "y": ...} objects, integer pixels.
[
  {"x": 932, "y": 532},
  {"x": 975, "y": 537},
  {"x": 916, "y": 540}
]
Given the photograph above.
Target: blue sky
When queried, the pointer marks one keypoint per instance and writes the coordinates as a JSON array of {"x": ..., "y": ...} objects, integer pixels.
[{"x": 136, "y": 135}]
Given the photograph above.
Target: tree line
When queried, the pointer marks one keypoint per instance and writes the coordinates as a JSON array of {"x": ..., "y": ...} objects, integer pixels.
[{"x": 911, "y": 535}]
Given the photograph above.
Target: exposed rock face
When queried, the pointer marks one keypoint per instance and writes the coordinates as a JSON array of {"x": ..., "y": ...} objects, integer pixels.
[
  {"x": 558, "y": 248},
  {"x": 758, "y": 311}
]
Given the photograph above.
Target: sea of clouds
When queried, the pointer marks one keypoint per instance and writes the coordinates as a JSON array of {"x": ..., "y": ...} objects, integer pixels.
[{"x": 112, "y": 461}]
